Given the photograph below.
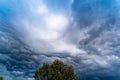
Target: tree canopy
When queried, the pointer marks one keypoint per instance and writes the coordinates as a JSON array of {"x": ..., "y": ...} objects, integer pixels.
[
  {"x": 55, "y": 71},
  {"x": 1, "y": 78}
]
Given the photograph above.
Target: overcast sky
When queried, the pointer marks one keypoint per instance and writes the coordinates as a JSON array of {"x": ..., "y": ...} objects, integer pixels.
[{"x": 81, "y": 33}]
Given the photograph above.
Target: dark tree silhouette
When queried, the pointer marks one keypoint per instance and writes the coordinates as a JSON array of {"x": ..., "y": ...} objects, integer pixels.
[
  {"x": 56, "y": 71},
  {"x": 1, "y": 78}
]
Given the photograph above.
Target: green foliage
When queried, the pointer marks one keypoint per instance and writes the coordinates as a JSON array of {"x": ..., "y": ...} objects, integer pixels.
[
  {"x": 1, "y": 78},
  {"x": 56, "y": 71}
]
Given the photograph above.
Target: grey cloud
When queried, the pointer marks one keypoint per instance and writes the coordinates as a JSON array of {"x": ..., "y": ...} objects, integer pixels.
[{"x": 90, "y": 31}]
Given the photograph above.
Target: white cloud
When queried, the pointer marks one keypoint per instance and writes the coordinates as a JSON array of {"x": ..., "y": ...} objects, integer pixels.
[
  {"x": 56, "y": 22},
  {"x": 42, "y": 9},
  {"x": 45, "y": 36},
  {"x": 65, "y": 47}
]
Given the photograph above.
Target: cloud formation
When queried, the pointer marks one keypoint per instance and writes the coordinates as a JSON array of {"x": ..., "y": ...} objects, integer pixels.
[{"x": 84, "y": 34}]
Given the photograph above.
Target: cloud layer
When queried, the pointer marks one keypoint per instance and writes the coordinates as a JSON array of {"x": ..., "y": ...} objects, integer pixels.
[{"x": 84, "y": 34}]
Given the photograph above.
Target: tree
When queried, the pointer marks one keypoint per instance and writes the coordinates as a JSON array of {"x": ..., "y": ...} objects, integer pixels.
[
  {"x": 55, "y": 71},
  {"x": 1, "y": 78}
]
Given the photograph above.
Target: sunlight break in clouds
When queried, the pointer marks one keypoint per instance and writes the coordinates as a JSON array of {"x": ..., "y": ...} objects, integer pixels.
[{"x": 49, "y": 29}]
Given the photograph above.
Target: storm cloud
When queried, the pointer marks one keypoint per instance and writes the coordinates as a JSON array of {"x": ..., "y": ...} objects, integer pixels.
[{"x": 81, "y": 33}]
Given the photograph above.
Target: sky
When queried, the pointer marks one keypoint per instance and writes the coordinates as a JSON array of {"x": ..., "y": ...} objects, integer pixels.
[{"x": 81, "y": 33}]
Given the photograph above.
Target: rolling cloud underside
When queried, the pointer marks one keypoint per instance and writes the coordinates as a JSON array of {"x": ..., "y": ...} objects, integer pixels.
[{"x": 79, "y": 32}]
